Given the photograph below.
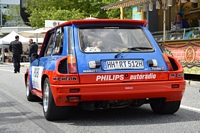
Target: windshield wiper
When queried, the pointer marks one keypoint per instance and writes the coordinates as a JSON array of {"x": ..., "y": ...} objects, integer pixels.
[
  {"x": 139, "y": 48},
  {"x": 133, "y": 49}
]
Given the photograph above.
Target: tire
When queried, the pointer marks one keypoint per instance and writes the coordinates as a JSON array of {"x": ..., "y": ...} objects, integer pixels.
[
  {"x": 162, "y": 107},
  {"x": 51, "y": 111},
  {"x": 29, "y": 95}
]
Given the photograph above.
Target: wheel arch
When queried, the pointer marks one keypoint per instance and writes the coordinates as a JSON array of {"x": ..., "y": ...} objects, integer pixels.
[
  {"x": 25, "y": 78},
  {"x": 26, "y": 75},
  {"x": 44, "y": 76}
]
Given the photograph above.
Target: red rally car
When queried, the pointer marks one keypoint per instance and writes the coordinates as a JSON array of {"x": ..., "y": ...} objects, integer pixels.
[{"x": 100, "y": 64}]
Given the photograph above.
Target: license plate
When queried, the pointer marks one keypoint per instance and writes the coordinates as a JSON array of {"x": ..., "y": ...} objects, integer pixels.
[{"x": 123, "y": 64}]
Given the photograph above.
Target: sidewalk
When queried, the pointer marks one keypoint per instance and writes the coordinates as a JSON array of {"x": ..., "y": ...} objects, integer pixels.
[
  {"x": 23, "y": 64},
  {"x": 193, "y": 83}
]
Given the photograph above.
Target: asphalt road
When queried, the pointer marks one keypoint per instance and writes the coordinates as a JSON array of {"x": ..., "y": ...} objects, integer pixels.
[{"x": 17, "y": 115}]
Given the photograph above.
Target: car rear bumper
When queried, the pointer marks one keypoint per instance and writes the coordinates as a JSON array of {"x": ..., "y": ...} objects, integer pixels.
[{"x": 118, "y": 91}]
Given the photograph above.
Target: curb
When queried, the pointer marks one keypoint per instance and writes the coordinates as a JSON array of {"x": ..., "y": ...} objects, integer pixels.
[
  {"x": 24, "y": 65},
  {"x": 193, "y": 83}
]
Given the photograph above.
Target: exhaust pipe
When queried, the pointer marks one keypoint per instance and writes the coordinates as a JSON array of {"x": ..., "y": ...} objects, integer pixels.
[
  {"x": 91, "y": 105},
  {"x": 97, "y": 105}
]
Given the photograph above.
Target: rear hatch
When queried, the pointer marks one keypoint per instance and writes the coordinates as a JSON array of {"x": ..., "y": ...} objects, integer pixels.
[{"x": 118, "y": 54}]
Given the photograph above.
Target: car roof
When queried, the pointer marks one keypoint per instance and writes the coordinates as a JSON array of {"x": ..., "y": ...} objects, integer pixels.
[
  {"x": 108, "y": 21},
  {"x": 99, "y": 21}
]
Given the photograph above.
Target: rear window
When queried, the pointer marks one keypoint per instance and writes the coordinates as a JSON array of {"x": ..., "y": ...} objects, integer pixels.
[{"x": 112, "y": 39}]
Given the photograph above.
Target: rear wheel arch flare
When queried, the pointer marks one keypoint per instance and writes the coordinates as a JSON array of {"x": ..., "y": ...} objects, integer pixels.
[
  {"x": 25, "y": 77},
  {"x": 43, "y": 79},
  {"x": 173, "y": 63}
]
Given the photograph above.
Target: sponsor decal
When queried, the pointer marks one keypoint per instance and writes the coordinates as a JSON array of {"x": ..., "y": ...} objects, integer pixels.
[
  {"x": 90, "y": 71},
  {"x": 121, "y": 77},
  {"x": 143, "y": 76},
  {"x": 157, "y": 68},
  {"x": 36, "y": 72},
  {"x": 64, "y": 78},
  {"x": 176, "y": 75},
  {"x": 37, "y": 76},
  {"x": 109, "y": 77},
  {"x": 172, "y": 75},
  {"x": 180, "y": 75}
]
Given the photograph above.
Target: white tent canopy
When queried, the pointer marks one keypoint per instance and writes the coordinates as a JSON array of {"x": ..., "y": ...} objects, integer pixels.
[
  {"x": 11, "y": 37},
  {"x": 38, "y": 40},
  {"x": 38, "y": 33}
]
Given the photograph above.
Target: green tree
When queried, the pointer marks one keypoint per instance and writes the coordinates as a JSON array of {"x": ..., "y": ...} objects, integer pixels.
[
  {"x": 41, "y": 10},
  {"x": 4, "y": 17},
  {"x": 128, "y": 12}
]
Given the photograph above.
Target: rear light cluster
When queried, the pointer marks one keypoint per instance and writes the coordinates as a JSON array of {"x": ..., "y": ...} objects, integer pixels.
[
  {"x": 68, "y": 65},
  {"x": 71, "y": 63},
  {"x": 74, "y": 99}
]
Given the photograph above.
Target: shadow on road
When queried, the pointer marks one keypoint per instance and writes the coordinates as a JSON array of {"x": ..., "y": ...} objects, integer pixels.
[{"x": 127, "y": 116}]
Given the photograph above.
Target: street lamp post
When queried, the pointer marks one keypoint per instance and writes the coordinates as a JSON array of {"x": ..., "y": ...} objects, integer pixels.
[{"x": 121, "y": 12}]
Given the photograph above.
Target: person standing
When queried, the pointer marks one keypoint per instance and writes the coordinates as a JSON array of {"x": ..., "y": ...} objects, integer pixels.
[
  {"x": 180, "y": 22},
  {"x": 16, "y": 48},
  {"x": 33, "y": 48}
]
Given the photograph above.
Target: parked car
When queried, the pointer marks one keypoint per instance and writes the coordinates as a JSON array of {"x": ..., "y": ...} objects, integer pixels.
[
  {"x": 101, "y": 64},
  {"x": 24, "y": 57},
  {"x": 5, "y": 56}
]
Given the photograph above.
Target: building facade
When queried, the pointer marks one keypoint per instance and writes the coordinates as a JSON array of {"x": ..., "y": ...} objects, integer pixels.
[{"x": 4, "y": 5}]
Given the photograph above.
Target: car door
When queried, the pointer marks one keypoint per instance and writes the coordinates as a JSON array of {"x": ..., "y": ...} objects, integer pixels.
[{"x": 41, "y": 64}]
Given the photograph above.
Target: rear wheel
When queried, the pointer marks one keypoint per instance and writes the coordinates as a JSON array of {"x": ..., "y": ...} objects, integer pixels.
[
  {"x": 51, "y": 111},
  {"x": 160, "y": 106},
  {"x": 29, "y": 95}
]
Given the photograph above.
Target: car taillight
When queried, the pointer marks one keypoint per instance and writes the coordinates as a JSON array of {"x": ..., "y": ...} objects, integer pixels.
[
  {"x": 168, "y": 62},
  {"x": 71, "y": 62}
]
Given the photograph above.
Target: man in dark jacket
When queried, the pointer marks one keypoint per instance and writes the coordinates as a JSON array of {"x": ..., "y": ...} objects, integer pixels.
[
  {"x": 16, "y": 49},
  {"x": 33, "y": 48}
]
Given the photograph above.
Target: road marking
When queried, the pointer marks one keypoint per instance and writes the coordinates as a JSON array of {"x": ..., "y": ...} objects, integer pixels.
[
  {"x": 30, "y": 115},
  {"x": 9, "y": 71},
  {"x": 190, "y": 108}
]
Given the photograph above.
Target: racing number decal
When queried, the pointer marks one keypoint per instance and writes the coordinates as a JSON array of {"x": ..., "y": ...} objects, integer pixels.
[
  {"x": 36, "y": 77},
  {"x": 36, "y": 72}
]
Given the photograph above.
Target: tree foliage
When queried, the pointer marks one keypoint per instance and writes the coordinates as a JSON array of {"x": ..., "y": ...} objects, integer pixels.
[
  {"x": 41, "y": 10},
  {"x": 13, "y": 15}
]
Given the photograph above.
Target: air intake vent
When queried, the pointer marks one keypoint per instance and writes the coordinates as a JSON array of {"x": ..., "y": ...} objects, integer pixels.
[
  {"x": 173, "y": 63},
  {"x": 62, "y": 68}
]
